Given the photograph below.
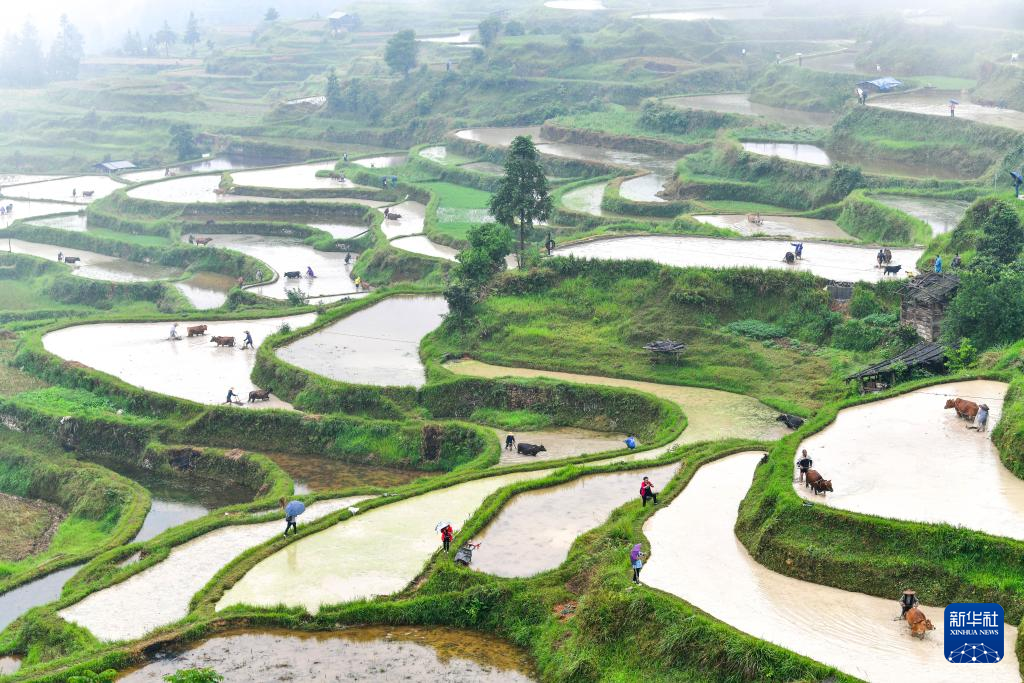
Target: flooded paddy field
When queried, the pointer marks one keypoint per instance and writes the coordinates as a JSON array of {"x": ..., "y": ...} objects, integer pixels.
[
  {"x": 202, "y": 189},
  {"x": 384, "y": 161},
  {"x": 161, "y": 594},
  {"x": 340, "y": 231},
  {"x": 378, "y": 345},
  {"x": 781, "y": 226},
  {"x": 413, "y": 214},
  {"x": 95, "y": 266},
  {"x": 560, "y": 442},
  {"x": 586, "y": 199},
  {"x": 376, "y": 553},
  {"x": 739, "y": 103},
  {"x": 20, "y": 178},
  {"x": 315, "y": 473},
  {"x": 711, "y": 414},
  {"x": 535, "y": 529},
  {"x": 206, "y": 290},
  {"x": 704, "y": 564},
  {"x": 217, "y": 163},
  {"x": 285, "y": 254},
  {"x": 193, "y": 368},
  {"x": 17, "y": 601},
  {"x": 832, "y": 261},
  {"x": 23, "y": 209},
  {"x": 463, "y": 38},
  {"x": 66, "y": 189},
  {"x": 74, "y": 222},
  {"x": 421, "y": 244},
  {"x": 365, "y": 653},
  {"x": 942, "y": 214},
  {"x": 791, "y": 151},
  {"x": 956, "y": 474},
  {"x": 936, "y": 103},
  {"x": 296, "y": 177}
]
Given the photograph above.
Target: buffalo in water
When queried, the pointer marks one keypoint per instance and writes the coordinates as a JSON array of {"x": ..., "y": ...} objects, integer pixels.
[
  {"x": 791, "y": 421},
  {"x": 529, "y": 449},
  {"x": 259, "y": 395},
  {"x": 817, "y": 483},
  {"x": 964, "y": 408}
]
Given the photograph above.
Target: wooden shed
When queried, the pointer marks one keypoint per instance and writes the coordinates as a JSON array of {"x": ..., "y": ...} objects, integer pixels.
[
  {"x": 925, "y": 355},
  {"x": 924, "y": 300}
]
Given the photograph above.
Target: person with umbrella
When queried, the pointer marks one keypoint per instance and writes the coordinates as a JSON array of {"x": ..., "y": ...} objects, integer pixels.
[
  {"x": 952, "y": 107},
  {"x": 636, "y": 562},
  {"x": 291, "y": 511},
  {"x": 447, "y": 534}
]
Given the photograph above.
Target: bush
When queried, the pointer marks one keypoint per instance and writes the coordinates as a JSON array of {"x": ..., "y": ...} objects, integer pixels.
[
  {"x": 756, "y": 329},
  {"x": 194, "y": 676},
  {"x": 856, "y": 335}
]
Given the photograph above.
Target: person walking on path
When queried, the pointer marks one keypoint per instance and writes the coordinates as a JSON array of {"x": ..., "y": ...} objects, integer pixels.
[
  {"x": 248, "y": 341},
  {"x": 446, "y": 537},
  {"x": 804, "y": 464},
  {"x": 647, "y": 491},
  {"x": 636, "y": 562},
  {"x": 981, "y": 419},
  {"x": 291, "y": 511}
]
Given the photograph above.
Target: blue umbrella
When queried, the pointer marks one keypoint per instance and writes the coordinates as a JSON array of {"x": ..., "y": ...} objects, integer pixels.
[
  {"x": 954, "y": 101},
  {"x": 294, "y": 508}
]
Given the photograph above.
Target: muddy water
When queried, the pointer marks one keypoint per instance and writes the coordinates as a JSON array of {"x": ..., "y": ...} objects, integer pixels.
[
  {"x": 297, "y": 177},
  {"x": 560, "y": 442},
  {"x": 16, "y": 602},
  {"x": 376, "y": 553},
  {"x": 586, "y": 199},
  {"x": 220, "y": 163},
  {"x": 378, "y": 345},
  {"x": 942, "y": 214},
  {"x": 95, "y": 266},
  {"x": 463, "y": 37},
  {"x": 711, "y": 414},
  {"x": 780, "y": 226},
  {"x": 74, "y": 223},
  {"x": 200, "y": 189},
  {"x": 193, "y": 368},
  {"x": 60, "y": 190},
  {"x": 9, "y": 664},
  {"x": 161, "y": 594},
  {"x": 833, "y": 261},
  {"x": 411, "y": 221},
  {"x": 577, "y": 5},
  {"x": 534, "y": 531},
  {"x": 695, "y": 555},
  {"x": 643, "y": 188},
  {"x": 954, "y": 472},
  {"x": 23, "y": 209},
  {"x": 366, "y": 653},
  {"x": 312, "y": 473},
  {"x": 739, "y": 103},
  {"x": 419, "y": 244},
  {"x": 341, "y": 231},
  {"x": 284, "y": 254},
  {"x": 165, "y": 513},
  {"x": 19, "y": 178},
  {"x": 206, "y": 290},
  {"x": 793, "y": 151},
  {"x": 936, "y": 103},
  {"x": 386, "y": 161}
]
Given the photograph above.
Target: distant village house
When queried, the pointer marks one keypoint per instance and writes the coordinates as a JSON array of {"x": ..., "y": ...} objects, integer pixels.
[{"x": 114, "y": 166}]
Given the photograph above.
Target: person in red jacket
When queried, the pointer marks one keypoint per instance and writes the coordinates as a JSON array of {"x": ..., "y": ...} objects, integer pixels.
[
  {"x": 647, "y": 491},
  {"x": 446, "y": 537}
]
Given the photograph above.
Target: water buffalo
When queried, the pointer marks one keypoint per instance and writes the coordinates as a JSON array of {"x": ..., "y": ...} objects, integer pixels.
[
  {"x": 72, "y": 259},
  {"x": 292, "y": 274},
  {"x": 964, "y": 408},
  {"x": 791, "y": 421},
  {"x": 223, "y": 341},
  {"x": 88, "y": 193},
  {"x": 529, "y": 449},
  {"x": 259, "y": 395},
  {"x": 919, "y": 624},
  {"x": 817, "y": 483},
  {"x": 891, "y": 270},
  {"x": 201, "y": 241},
  {"x": 789, "y": 258},
  {"x": 197, "y": 330}
]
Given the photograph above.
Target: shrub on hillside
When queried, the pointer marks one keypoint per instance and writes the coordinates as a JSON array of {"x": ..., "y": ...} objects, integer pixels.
[{"x": 755, "y": 329}]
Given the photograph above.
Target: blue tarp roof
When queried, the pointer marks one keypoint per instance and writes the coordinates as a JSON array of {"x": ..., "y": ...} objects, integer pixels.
[{"x": 883, "y": 84}]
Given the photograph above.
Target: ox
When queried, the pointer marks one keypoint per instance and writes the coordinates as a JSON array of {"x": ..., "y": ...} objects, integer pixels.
[
  {"x": 72, "y": 259},
  {"x": 223, "y": 341},
  {"x": 529, "y": 449},
  {"x": 964, "y": 408},
  {"x": 197, "y": 330},
  {"x": 817, "y": 483},
  {"x": 259, "y": 395},
  {"x": 292, "y": 274},
  {"x": 202, "y": 241},
  {"x": 791, "y": 421},
  {"x": 919, "y": 624}
]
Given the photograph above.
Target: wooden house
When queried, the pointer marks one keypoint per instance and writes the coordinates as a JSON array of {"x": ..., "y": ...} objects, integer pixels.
[{"x": 924, "y": 300}]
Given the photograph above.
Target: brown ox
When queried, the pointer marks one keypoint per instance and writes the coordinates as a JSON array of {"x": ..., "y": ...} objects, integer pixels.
[
  {"x": 755, "y": 218},
  {"x": 964, "y": 408},
  {"x": 919, "y": 624},
  {"x": 817, "y": 483},
  {"x": 259, "y": 395},
  {"x": 201, "y": 241},
  {"x": 197, "y": 330},
  {"x": 223, "y": 341}
]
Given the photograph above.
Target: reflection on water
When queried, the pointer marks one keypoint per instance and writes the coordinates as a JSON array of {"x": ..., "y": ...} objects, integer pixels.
[
  {"x": 296, "y": 177},
  {"x": 378, "y": 345},
  {"x": 67, "y": 189},
  {"x": 193, "y": 368},
  {"x": 386, "y": 161},
  {"x": 833, "y": 261},
  {"x": 586, "y": 199},
  {"x": 793, "y": 151},
  {"x": 533, "y": 531},
  {"x": 739, "y": 103},
  {"x": 313, "y": 473},
  {"x": 74, "y": 222},
  {"x": 696, "y": 556},
  {"x": 365, "y": 653},
  {"x": 644, "y": 188},
  {"x": 942, "y": 214},
  {"x": 419, "y": 244},
  {"x": 16, "y": 602},
  {"x": 206, "y": 290},
  {"x": 96, "y": 266}
]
